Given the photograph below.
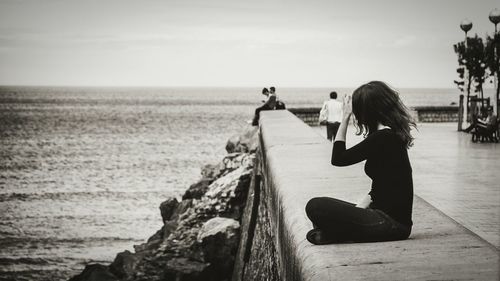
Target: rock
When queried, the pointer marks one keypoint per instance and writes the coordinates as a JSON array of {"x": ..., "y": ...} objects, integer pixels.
[
  {"x": 232, "y": 162},
  {"x": 168, "y": 228},
  {"x": 157, "y": 236},
  {"x": 182, "y": 242},
  {"x": 229, "y": 163},
  {"x": 239, "y": 198},
  {"x": 246, "y": 142},
  {"x": 183, "y": 269},
  {"x": 250, "y": 140},
  {"x": 197, "y": 190},
  {"x": 149, "y": 246},
  {"x": 228, "y": 194},
  {"x": 219, "y": 238},
  {"x": 95, "y": 272},
  {"x": 155, "y": 241},
  {"x": 183, "y": 206},
  {"x": 123, "y": 265},
  {"x": 232, "y": 144},
  {"x": 167, "y": 208},
  {"x": 211, "y": 171},
  {"x": 218, "y": 201}
]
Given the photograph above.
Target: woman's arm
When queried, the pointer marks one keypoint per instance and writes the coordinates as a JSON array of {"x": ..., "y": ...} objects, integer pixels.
[{"x": 355, "y": 154}]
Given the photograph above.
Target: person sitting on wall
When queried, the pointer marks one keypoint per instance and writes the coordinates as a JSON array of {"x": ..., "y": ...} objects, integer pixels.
[
  {"x": 385, "y": 213},
  {"x": 279, "y": 103},
  {"x": 269, "y": 104}
]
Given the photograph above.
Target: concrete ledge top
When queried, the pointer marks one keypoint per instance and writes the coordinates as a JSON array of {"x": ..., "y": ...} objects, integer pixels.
[{"x": 298, "y": 167}]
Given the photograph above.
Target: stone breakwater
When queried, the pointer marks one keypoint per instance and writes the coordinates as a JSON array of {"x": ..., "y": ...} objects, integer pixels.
[{"x": 200, "y": 236}]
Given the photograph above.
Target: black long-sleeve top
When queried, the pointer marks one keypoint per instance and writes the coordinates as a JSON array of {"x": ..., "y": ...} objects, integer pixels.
[{"x": 388, "y": 165}]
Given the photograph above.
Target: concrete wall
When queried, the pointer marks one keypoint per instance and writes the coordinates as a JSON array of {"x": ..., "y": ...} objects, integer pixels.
[
  {"x": 310, "y": 115},
  {"x": 293, "y": 167}
]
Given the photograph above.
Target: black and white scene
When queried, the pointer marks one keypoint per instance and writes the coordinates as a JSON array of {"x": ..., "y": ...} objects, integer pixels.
[{"x": 249, "y": 140}]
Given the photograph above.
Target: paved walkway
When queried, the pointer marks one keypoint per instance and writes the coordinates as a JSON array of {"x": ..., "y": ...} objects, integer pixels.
[{"x": 456, "y": 176}]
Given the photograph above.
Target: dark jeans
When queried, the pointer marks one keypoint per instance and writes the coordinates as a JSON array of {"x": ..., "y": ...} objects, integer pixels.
[
  {"x": 471, "y": 126},
  {"x": 256, "y": 116},
  {"x": 343, "y": 222},
  {"x": 331, "y": 130}
]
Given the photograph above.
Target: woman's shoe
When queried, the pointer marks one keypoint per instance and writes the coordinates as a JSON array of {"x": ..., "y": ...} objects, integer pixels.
[{"x": 318, "y": 237}]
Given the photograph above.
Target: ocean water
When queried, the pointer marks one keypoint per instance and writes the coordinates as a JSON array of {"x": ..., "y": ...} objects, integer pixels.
[{"x": 83, "y": 170}]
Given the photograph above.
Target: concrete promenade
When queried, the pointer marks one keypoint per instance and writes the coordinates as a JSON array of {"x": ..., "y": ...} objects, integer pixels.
[
  {"x": 296, "y": 168},
  {"x": 458, "y": 177}
]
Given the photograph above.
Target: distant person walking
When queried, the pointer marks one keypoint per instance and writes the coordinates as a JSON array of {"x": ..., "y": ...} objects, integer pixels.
[
  {"x": 332, "y": 110},
  {"x": 385, "y": 213},
  {"x": 269, "y": 104}
]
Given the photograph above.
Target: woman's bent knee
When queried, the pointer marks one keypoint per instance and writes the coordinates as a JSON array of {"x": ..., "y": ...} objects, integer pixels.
[{"x": 313, "y": 206}]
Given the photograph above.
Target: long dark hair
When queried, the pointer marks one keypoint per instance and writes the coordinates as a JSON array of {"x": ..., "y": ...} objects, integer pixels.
[{"x": 375, "y": 103}]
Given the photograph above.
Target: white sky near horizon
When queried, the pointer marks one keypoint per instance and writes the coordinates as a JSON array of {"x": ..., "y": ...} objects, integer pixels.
[{"x": 316, "y": 43}]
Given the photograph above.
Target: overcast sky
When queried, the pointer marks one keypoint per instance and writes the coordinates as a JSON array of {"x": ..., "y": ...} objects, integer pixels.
[{"x": 309, "y": 43}]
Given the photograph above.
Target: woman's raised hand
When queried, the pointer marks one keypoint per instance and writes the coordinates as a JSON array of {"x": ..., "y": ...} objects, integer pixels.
[{"x": 347, "y": 106}]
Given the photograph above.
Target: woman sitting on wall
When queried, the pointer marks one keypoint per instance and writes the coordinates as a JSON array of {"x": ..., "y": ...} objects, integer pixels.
[{"x": 385, "y": 213}]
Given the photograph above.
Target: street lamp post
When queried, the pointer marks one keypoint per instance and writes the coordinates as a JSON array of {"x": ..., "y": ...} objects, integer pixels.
[
  {"x": 466, "y": 25},
  {"x": 495, "y": 19}
]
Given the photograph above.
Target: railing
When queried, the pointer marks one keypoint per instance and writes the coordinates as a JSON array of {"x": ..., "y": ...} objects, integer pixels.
[{"x": 310, "y": 115}]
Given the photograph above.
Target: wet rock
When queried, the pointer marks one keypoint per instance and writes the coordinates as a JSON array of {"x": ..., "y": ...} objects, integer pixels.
[
  {"x": 123, "y": 265},
  {"x": 95, "y": 272},
  {"x": 197, "y": 190},
  {"x": 167, "y": 208},
  {"x": 219, "y": 238}
]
